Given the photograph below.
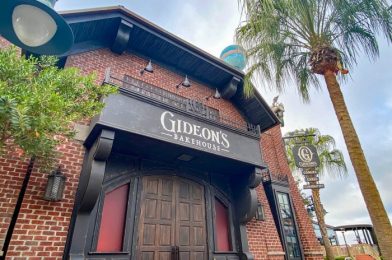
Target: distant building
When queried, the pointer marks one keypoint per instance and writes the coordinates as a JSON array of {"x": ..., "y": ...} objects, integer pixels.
[
  {"x": 363, "y": 233},
  {"x": 333, "y": 238}
]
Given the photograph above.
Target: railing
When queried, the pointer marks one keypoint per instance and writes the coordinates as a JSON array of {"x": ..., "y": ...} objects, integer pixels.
[
  {"x": 267, "y": 176},
  {"x": 179, "y": 102}
]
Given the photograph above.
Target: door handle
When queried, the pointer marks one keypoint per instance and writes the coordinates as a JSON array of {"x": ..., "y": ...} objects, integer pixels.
[{"x": 175, "y": 253}]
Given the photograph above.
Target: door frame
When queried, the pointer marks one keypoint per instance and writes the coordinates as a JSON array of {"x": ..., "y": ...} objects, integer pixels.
[
  {"x": 134, "y": 178},
  {"x": 272, "y": 188},
  {"x": 130, "y": 212}
]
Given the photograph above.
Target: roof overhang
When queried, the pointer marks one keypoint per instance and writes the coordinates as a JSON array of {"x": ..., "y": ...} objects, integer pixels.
[{"x": 121, "y": 30}]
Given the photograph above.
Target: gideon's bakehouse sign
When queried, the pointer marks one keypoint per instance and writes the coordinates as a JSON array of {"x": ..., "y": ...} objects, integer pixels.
[
  {"x": 156, "y": 121},
  {"x": 305, "y": 156},
  {"x": 194, "y": 134}
]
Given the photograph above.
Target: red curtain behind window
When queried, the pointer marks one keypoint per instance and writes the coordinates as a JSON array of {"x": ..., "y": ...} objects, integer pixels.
[
  {"x": 222, "y": 227},
  {"x": 111, "y": 230}
]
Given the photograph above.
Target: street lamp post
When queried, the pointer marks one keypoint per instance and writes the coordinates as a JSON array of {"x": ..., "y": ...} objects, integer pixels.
[
  {"x": 345, "y": 242},
  {"x": 35, "y": 26}
]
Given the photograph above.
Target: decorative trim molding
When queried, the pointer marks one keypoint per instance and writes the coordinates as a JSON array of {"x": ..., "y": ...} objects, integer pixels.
[
  {"x": 231, "y": 88},
  {"x": 248, "y": 201},
  {"x": 313, "y": 253},
  {"x": 122, "y": 38},
  {"x": 277, "y": 253},
  {"x": 82, "y": 132},
  {"x": 95, "y": 171}
]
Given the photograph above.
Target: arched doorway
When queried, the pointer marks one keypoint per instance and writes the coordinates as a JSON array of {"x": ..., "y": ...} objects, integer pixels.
[
  {"x": 160, "y": 214},
  {"x": 172, "y": 222}
]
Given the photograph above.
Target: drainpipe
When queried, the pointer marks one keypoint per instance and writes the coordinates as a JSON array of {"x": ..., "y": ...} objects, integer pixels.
[{"x": 18, "y": 206}]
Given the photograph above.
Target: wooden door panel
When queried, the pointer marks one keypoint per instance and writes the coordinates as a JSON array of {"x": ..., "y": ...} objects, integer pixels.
[
  {"x": 164, "y": 256},
  {"x": 185, "y": 255},
  {"x": 172, "y": 214},
  {"x": 199, "y": 236},
  {"x": 192, "y": 255},
  {"x": 191, "y": 223},
  {"x": 157, "y": 219},
  {"x": 147, "y": 255}
]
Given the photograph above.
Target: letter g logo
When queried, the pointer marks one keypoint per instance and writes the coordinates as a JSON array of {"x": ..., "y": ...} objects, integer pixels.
[{"x": 305, "y": 154}]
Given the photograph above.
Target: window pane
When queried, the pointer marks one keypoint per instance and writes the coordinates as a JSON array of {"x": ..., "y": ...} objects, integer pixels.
[
  {"x": 222, "y": 227},
  {"x": 111, "y": 230},
  {"x": 288, "y": 226}
]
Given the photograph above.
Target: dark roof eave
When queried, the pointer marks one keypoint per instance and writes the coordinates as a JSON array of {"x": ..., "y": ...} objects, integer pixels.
[
  {"x": 268, "y": 110},
  {"x": 354, "y": 226},
  {"x": 160, "y": 31}
]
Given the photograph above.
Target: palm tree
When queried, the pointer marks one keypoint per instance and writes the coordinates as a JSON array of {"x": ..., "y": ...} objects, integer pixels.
[
  {"x": 291, "y": 42},
  {"x": 331, "y": 162}
]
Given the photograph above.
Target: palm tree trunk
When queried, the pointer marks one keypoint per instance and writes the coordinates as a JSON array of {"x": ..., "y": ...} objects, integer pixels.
[
  {"x": 377, "y": 212},
  {"x": 320, "y": 219}
]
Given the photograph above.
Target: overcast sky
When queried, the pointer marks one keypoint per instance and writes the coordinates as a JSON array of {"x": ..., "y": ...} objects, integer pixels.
[{"x": 210, "y": 25}]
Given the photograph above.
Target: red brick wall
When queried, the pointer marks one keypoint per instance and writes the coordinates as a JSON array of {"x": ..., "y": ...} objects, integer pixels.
[
  {"x": 42, "y": 227},
  {"x": 12, "y": 169},
  {"x": 274, "y": 155},
  {"x": 129, "y": 64},
  {"x": 263, "y": 236},
  {"x": 4, "y": 42}
]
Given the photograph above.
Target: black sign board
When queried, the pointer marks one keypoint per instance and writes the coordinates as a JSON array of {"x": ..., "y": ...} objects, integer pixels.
[
  {"x": 156, "y": 121},
  {"x": 305, "y": 156},
  {"x": 309, "y": 172},
  {"x": 314, "y": 186},
  {"x": 311, "y": 178}
]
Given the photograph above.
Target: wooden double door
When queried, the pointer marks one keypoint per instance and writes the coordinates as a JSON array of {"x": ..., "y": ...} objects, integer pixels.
[{"x": 172, "y": 223}]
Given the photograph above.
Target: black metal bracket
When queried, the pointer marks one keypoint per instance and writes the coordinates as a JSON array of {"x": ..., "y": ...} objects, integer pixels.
[
  {"x": 95, "y": 171},
  {"x": 122, "y": 38}
]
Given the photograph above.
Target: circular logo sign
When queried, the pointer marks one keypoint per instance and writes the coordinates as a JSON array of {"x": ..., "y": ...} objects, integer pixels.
[{"x": 305, "y": 154}]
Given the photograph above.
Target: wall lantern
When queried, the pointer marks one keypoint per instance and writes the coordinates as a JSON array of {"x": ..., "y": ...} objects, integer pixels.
[
  {"x": 184, "y": 83},
  {"x": 260, "y": 212},
  {"x": 35, "y": 26},
  {"x": 217, "y": 95},
  {"x": 55, "y": 186},
  {"x": 148, "y": 68}
]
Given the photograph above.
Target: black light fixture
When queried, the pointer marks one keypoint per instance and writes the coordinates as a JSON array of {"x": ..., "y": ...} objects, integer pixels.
[
  {"x": 260, "y": 212},
  {"x": 35, "y": 26},
  {"x": 185, "y": 157},
  {"x": 217, "y": 95},
  {"x": 148, "y": 68},
  {"x": 55, "y": 186},
  {"x": 184, "y": 83}
]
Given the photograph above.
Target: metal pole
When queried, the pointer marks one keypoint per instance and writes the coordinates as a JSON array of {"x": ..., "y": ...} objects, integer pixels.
[
  {"x": 18, "y": 206},
  {"x": 297, "y": 136},
  {"x": 371, "y": 242},
  {"x": 345, "y": 242},
  {"x": 364, "y": 235}
]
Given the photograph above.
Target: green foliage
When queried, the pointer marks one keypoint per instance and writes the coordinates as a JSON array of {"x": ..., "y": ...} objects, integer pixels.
[
  {"x": 331, "y": 159},
  {"x": 39, "y": 103},
  {"x": 280, "y": 35}
]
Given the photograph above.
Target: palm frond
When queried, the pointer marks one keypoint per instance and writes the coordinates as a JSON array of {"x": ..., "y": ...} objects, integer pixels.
[
  {"x": 331, "y": 159},
  {"x": 280, "y": 35}
]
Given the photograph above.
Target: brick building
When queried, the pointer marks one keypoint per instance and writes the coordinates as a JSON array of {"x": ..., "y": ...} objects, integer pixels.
[{"x": 166, "y": 171}]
